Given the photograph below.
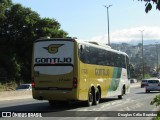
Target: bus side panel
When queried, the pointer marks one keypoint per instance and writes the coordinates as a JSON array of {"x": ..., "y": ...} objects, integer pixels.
[
  {"x": 103, "y": 75},
  {"x": 83, "y": 81},
  {"x": 115, "y": 82},
  {"x": 94, "y": 75}
]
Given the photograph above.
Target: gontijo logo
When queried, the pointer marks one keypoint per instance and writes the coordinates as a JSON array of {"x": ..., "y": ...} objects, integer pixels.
[{"x": 53, "y": 48}]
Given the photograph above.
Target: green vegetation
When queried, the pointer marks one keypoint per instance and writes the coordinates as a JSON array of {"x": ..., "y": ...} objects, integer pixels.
[
  {"x": 156, "y": 101},
  {"x": 19, "y": 27},
  {"x": 158, "y": 116},
  {"x": 147, "y": 76},
  {"x": 149, "y": 4},
  {"x": 8, "y": 86}
]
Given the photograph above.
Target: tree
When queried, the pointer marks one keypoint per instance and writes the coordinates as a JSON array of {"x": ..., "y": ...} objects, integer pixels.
[
  {"x": 4, "y": 4},
  {"x": 19, "y": 27},
  {"x": 149, "y": 4}
]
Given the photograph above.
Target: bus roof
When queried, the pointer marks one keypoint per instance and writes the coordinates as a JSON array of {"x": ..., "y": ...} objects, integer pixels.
[{"x": 101, "y": 46}]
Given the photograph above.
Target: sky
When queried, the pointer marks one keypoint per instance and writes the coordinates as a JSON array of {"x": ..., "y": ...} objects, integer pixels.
[{"x": 87, "y": 20}]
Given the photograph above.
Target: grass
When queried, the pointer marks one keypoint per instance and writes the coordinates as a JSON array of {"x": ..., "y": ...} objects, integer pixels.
[
  {"x": 156, "y": 101},
  {"x": 8, "y": 86},
  {"x": 1, "y": 87},
  {"x": 158, "y": 116}
]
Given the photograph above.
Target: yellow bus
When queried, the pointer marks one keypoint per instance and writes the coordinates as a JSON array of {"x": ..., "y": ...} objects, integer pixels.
[{"x": 68, "y": 69}]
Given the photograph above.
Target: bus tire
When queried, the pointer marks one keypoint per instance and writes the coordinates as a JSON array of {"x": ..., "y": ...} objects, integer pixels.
[
  {"x": 97, "y": 97},
  {"x": 122, "y": 93},
  {"x": 90, "y": 97}
]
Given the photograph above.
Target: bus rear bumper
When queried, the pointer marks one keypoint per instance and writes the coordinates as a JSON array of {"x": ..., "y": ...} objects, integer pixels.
[{"x": 54, "y": 95}]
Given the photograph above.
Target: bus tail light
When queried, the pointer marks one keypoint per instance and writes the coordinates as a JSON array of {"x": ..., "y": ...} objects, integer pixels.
[
  {"x": 33, "y": 83},
  {"x": 74, "y": 82}
]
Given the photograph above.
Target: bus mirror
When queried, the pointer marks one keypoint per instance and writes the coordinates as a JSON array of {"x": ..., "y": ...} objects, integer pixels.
[{"x": 131, "y": 69}]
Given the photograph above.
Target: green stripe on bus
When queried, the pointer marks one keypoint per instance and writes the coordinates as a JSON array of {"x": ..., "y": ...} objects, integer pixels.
[{"x": 115, "y": 79}]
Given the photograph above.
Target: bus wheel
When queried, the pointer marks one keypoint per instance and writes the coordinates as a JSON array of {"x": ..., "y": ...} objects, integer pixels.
[
  {"x": 90, "y": 98},
  {"x": 122, "y": 93},
  {"x": 97, "y": 97}
]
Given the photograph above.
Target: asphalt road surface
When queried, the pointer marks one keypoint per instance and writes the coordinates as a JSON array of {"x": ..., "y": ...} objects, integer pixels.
[{"x": 133, "y": 105}]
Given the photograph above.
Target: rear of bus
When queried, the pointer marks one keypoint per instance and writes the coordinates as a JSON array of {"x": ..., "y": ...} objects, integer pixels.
[{"x": 53, "y": 71}]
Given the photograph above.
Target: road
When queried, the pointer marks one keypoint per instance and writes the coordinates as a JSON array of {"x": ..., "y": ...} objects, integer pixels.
[{"x": 137, "y": 100}]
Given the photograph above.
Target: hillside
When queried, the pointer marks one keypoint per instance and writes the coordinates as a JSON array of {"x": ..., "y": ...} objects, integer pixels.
[{"x": 150, "y": 52}]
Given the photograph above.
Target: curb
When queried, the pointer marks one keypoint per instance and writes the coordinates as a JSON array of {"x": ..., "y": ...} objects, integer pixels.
[{"x": 13, "y": 95}]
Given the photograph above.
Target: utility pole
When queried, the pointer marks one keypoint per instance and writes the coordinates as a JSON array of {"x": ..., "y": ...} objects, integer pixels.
[
  {"x": 157, "y": 58},
  {"x": 108, "y": 22},
  {"x": 142, "y": 55}
]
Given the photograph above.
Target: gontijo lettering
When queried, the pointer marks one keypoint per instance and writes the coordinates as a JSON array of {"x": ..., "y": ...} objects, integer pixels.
[
  {"x": 53, "y": 60},
  {"x": 101, "y": 72}
]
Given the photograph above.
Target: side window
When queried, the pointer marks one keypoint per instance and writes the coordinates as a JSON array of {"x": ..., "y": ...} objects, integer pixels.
[
  {"x": 84, "y": 53},
  {"x": 101, "y": 55},
  {"x": 81, "y": 53},
  {"x": 93, "y": 55},
  {"x": 113, "y": 59},
  {"x": 87, "y": 54},
  {"x": 122, "y": 62},
  {"x": 119, "y": 60},
  {"x": 106, "y": 58},
  {"x": 109, "y": 58}
]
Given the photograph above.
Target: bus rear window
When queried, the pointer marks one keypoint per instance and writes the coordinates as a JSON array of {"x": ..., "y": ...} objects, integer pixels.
[{"x": 54, "y": 57}]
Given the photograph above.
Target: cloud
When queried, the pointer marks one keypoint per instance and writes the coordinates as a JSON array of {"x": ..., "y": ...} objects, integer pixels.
[{"x": 130, "y": 34}]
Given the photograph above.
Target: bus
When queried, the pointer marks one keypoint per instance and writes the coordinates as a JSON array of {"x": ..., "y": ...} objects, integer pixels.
[{"x": 67, "y": 69}]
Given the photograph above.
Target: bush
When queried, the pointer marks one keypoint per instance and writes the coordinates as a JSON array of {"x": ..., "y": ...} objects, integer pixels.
[
  {"x": 147, "y": 76},
  {"x": 8, "y": 86},
  {"x": 2, "y": 87},
  {"x": 156, "y": 101}
]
